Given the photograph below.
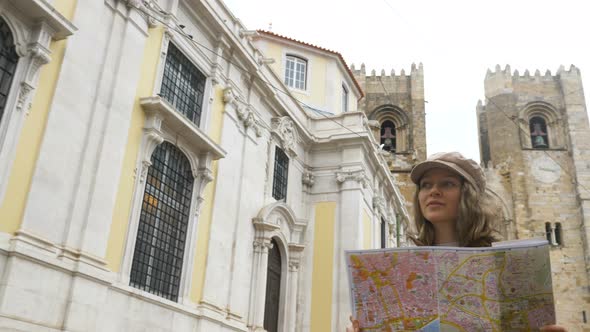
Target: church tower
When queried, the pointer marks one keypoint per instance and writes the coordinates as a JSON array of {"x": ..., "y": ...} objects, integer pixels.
[
  {"x": 394, "y": 105},
  {"x": 535, "y": 143}
]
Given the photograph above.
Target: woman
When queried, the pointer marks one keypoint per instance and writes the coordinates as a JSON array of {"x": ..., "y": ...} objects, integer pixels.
[{"x": 453, "y": 207}]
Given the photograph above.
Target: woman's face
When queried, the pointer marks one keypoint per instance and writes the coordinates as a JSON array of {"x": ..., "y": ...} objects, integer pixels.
[{"x": 439, "y": 196}]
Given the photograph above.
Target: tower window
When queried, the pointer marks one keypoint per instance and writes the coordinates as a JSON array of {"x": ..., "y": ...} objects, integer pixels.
[
  {"x": 281, "y": 172},
  {"x": 538, "y": 130},
  {"x": 8, "y": 61},
  {"x": 548, "y": 233},
  {"x": 558, "y": 234},
  {"x": 159, "y": 248},
  {"x": 388, "y": 138},
  {"x": 295, "y": 72},
  {"x": 183, "y": 85}
]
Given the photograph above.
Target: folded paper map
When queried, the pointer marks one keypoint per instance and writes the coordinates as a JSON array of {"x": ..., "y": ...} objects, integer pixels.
[{"x": 502, "y": 288}]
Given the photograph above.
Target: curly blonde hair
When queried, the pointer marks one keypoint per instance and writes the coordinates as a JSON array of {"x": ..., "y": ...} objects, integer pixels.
[{"x": 478, "y": 214}]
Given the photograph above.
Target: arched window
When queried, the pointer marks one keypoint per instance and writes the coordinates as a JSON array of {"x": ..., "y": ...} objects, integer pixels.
[
  {"x": 273, "y": 289},
  {"x": 161, "y": 235},
  {"x": 8, "y": 62},
  {"x": 388, "y": 138},
  {"x": 539, "y": 135},
  {"x": 395, "y": 133}
]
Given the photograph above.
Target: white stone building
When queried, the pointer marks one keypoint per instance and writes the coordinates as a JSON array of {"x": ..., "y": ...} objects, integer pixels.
[{"x": 164, "y": 169}]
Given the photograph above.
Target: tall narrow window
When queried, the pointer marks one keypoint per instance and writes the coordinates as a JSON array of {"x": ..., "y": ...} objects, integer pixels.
[
  {"x": 558, "y": 234},
  {"x": 8, "y": 62},
  {"x": 161, "y": 235},
  {"x": 538, "y": 130},
  {"x": 383, "y": 234},
  {"x": 548, "y": 233},
  {"x": 273, "y": 289},
  {"x": 388, "y": 139},
  {"x": 344, "y": 98},
  {"x": 281, "y": 172},
  {"x": 183, "y": 85},
  {"x": 295, "y": 72}
]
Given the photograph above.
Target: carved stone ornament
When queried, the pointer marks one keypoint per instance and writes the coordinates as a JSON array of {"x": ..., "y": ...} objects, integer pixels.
[
  {"x": 293, "y": 265},
  {"x": 353, "y": 175},
  {"x": 145, "y": 165},
  {"x": 308, "y": 179},
  {"x": 285, "y": 130},
  {"x": 245, "y": 114},
  {"x": 23, "y": 96},
  {"x": 379, "y": 204},
  {"x": 40, "y": 56},
  {"x": 152, "y": 8}
]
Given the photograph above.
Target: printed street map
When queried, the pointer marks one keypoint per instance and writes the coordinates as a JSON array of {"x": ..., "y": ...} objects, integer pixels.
[{"x": 503, "y": 288}]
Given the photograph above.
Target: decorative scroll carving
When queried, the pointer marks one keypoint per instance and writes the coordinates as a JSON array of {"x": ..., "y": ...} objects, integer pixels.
[
  {"x": 203, "y": 175},
  {"x": 353, "y": 175},
  {"x": 308, "y": 179},
  {"x": 23, "y": 96},
  {"x": 145, "y": 165},
  {"x": 284, "y": 128},
  {"x": 40, "y": 55},
  {"x": 379, "y": 204},
  {"x": 245, "y": 114}
]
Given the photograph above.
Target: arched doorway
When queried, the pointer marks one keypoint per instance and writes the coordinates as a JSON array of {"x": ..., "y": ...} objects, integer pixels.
[{"x": 273, "y": 289}]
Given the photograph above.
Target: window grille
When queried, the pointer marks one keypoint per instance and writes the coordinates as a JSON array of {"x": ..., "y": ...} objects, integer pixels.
[
  {"x": 295, "y": 72},
  {"x": 281, "y": 172},
  {"x": 183, "y": 85},
  {"x": 8, "y": 62},
  {"x": 161, "y": 235}
]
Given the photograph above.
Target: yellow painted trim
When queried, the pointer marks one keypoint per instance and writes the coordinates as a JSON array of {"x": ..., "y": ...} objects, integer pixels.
[
  {"x": 33, "y": 130},
  {"x": 206, "y": 216},
  {"x": 323, "y": 267},
  {"x": 367, "y": 231},
  {"x": 123, "y": 204}
]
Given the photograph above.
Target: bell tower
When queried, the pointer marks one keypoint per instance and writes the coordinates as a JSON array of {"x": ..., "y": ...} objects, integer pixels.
[
  {"x": 394, "y": 104},
  {"x": 534, "y": 140}
]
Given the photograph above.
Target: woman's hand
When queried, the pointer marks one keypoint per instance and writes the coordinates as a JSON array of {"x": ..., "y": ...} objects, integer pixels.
[
  {"x": 553, "y": 328},
  {"x": 355, "y": 326}
]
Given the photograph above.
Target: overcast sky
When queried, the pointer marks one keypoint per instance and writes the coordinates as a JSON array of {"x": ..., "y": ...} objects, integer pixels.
[{"x": 456, "y": 40}]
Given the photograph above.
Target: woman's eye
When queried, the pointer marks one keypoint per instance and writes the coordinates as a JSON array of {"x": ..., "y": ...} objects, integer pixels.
[
  {"x": 449, "y": 184},
  {"x": 425, "y": 185}
]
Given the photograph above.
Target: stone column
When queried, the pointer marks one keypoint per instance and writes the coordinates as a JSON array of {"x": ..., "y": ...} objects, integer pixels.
[
  {"x": 258, "y": 292},
  {"x": 295, "y": 251},
  {"x": 348, "y": 227}
]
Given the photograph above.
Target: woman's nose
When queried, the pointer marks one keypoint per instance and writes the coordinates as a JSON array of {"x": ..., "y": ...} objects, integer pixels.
[{"x": 435, "y": 190}]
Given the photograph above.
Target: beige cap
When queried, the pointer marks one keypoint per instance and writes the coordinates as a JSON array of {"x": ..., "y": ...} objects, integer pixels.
[{"x": 454, "y": 162}]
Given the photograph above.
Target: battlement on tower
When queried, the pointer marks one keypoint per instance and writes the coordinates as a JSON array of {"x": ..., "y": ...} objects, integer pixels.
[
  {"x": 505, "y": 80},
  {"x": 392, "y": 83}
]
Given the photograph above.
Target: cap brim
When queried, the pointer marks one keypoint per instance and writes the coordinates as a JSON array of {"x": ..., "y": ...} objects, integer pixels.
[{"x": 419, "y": 171}]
